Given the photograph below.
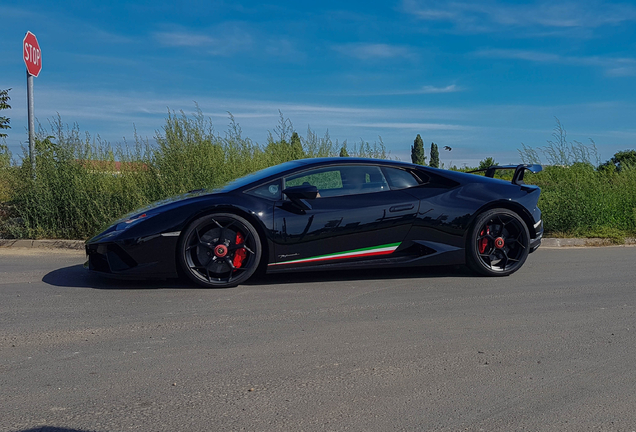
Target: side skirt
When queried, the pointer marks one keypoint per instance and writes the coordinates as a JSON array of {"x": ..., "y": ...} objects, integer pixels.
[{"x": 451, "y": 257}]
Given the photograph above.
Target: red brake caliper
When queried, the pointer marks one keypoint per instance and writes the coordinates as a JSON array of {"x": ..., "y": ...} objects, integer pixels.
[
  {"x": 240, "y": 254},
  {"x": 483, "y": 243}
]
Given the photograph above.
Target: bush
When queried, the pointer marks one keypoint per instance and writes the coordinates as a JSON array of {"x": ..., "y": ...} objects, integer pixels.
[{"x": 578, "y": 200}]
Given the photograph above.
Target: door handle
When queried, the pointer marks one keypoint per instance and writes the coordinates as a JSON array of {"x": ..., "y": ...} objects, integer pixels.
[{"x": 402, "y": 207}]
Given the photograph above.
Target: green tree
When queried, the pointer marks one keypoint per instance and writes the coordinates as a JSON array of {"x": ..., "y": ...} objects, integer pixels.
[
  {"x": 488, "y": 162},
  {"x": 343, "y": 150},
  {"x": 4, "y": 104},
  {"x": 417, "y": 151},
  {"x": 434, "y": 156},
  {"x": 620, "y": 160},
  {"x": 296, "y": 147}
]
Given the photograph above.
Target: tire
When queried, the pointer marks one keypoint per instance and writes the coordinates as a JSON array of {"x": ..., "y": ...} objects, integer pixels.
[
  {"x": 219, "y": 250},
  {"x": 498, "y": 243}
]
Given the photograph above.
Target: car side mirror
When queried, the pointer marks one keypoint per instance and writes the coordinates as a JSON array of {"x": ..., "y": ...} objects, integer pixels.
[{"x": 300, "y": 194}]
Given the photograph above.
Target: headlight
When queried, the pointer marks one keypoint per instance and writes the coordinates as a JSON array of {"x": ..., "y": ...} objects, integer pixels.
[{"x": 130, "y": 222}]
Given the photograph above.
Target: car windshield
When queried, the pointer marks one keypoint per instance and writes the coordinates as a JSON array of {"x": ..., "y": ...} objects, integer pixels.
[{"x": 258, "y": 175}]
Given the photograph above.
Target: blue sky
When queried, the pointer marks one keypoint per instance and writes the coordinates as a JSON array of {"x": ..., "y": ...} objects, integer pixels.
[{"x": 479, "y": 76}]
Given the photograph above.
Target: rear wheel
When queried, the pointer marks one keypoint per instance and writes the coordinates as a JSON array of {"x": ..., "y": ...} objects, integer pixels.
[
  {"x": 498, "y": 243},
  {"x": 219, "y": 250}
]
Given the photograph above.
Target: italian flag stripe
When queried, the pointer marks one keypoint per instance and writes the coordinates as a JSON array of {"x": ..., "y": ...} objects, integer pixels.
[{"x": 357, "y": 253}]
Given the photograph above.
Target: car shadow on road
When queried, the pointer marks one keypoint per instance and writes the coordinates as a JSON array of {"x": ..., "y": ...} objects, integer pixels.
[
  {"x": 77, "y": 277},
  {"x": 360, "y": 274},
  {"x": 52, "y": 429}
]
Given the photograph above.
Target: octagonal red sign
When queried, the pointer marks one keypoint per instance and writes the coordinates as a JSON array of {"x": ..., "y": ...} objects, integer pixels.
[{"x": 32, "y": 54}]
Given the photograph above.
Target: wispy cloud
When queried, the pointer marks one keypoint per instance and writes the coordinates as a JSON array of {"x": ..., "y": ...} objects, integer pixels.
[
  {"x": 427, "y": 89},
  {"x": 104, "y": 36},
  {"x": 283, "y": 48},
  {"x": 432, "y": 89},
  {"x": 612, "y": 66},
  {"x": 232, "y": 39},
  {"x": 227, "y": 39},
  {"x": 178, "y": 39},
  {"x": 416, "y": 126},
  {"x": 552, "y": 17},
  {"x": 373, "y": 51}
]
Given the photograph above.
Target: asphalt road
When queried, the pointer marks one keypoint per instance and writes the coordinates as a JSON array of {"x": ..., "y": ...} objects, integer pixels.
[{"x": 550, "y": 348}]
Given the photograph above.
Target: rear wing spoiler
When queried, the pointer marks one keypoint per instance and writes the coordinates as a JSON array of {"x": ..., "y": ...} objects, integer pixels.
[{"x": 520, "y": 170}]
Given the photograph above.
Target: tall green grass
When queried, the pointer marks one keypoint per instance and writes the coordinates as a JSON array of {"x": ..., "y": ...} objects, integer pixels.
[
  {"x": 82, "y": 183},
  {"x": 581, "y": 201}
]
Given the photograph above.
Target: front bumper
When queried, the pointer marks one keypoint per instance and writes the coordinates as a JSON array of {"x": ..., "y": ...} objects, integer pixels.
[{"x": 152, "y": 258}]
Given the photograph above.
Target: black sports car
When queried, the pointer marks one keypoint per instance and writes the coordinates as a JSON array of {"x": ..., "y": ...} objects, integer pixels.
[{"x": 329, "y": 213}]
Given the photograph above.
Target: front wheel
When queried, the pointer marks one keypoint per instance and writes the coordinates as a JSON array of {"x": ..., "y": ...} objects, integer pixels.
[
  {"x": 498, "y": 243},
  {"x": 219, "y": 250}
]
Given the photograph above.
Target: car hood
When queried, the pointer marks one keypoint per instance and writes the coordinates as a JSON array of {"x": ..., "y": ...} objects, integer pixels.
[
  {"x": 157, "y": 207},
  {"x": 170, "y": 202}
]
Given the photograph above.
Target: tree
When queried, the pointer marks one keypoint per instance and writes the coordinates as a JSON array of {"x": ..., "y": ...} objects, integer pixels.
[
  {"x": 4, "y": 104},
  {"x": 434, "y": 156},
  {"x": 417, "y": 151},
  {"x": 343, "y": 150},
  {"x": 620, "y": 160},
  {"x": 296, "y": 147},
  {"x": 486, "y": 163}
]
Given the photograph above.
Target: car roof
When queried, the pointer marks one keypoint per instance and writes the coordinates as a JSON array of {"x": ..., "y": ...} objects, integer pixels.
[
  {"x": 353, "y": 161},
  {"x": 275, "y": 171},
  {"x": 252, "y": 180}
]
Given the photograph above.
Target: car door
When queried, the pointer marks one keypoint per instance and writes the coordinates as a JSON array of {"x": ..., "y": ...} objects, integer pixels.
[
  {"x": 442, "y": 215},
  {"x": 355, "y": 217}
]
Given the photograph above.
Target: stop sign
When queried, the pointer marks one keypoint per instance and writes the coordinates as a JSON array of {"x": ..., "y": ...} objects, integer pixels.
[{"x": 32, "y": 54}]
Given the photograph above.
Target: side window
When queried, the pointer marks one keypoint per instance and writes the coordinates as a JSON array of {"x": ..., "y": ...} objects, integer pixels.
[
  {"x": 324, "y": 178},
  {"x": 270, "y": 190},
  {"x": 400, "y": 179},
  {"x": 342, "y": 180}
]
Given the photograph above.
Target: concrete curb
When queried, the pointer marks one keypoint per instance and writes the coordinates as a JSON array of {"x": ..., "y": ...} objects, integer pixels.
[
  {"x": 42, "y": 244},
  {"x": 582, "y": 242},
  {"x": 79, "y": 244}
]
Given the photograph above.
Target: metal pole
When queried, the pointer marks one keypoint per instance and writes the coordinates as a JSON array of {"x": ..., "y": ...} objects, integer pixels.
[{"x": 31, "y": 121}]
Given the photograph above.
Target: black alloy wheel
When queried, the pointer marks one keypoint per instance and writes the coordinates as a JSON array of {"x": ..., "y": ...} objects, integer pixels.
[
  {"x": 498, "y": 243},
  {"x": 220, "y": 250}
]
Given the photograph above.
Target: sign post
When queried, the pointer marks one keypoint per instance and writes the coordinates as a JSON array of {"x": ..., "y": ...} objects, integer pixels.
[{"x": 32, "y": 55}]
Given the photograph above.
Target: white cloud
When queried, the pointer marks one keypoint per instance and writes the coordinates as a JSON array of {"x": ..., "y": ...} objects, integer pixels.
[
  {"x": 371, "y": 51},
  {"x": 283, "y": 48},
  {"x": 427, "y": 89},
  {"x": 534, "y": 56},
  {"x": 432, "y": 89},
  {"x": 177, "y": 39},
  {"x": 223, "y": 40},
  {"x": 612, "y": 66},
  {"x": 108, "y": 37},
  {"x": 622, "y": 71},
  {"x": 564, "y": 18},
  {"x": 424, "y": 127},
  {"x": 228, "y": 39}
]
